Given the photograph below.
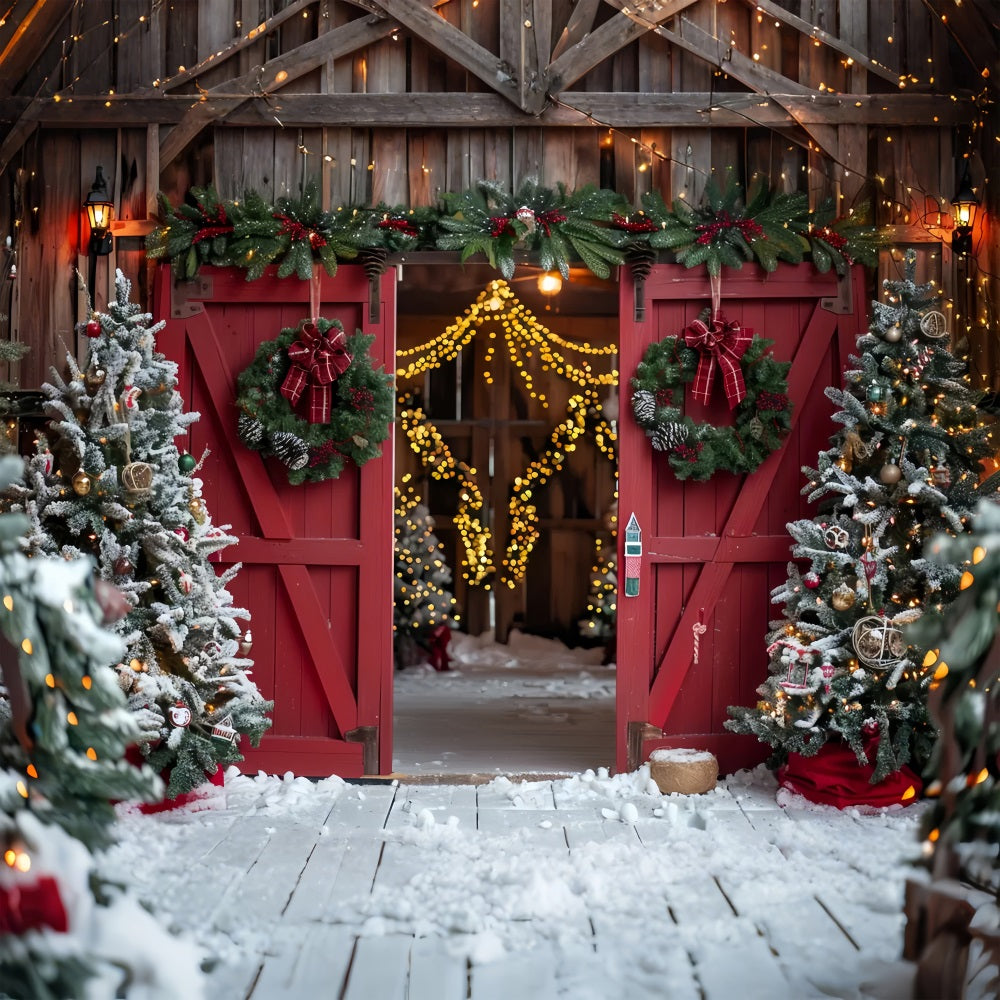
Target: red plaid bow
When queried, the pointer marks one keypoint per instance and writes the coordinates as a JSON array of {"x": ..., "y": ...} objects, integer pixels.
[
  {"x": 317, "y": 360},
  {"x": 724, "y": 343}
]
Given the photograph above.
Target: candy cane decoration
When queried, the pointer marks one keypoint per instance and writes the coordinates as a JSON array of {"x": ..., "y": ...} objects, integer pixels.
[{"x": 698, "y": 629}]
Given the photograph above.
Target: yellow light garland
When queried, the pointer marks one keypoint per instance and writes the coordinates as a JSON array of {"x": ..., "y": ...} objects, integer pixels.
[
  {"x": 435, "y": 455},
  {"x": 497, "y": 306}
]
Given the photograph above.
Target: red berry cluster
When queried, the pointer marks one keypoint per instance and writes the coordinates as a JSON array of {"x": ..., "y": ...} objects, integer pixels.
[
  {"x": 837, "y": 240},
  {"x": 689, "y": 452},
  {"x": 210, "y": 232},
  {"x": 644, "y": 225},
  {"x": 298, "y": 231},
  {"x": 363, "y": 399},
  {"x": 664, "y": 397},
  {"x": 771, "y": 400},
  {"x": 323, "y": 454},
  {"x": 547, "y": 219},
  {"x": 500, "y": 226},
  {"x": 400, "y": 226},
  {"x": 748, "y": 229}
]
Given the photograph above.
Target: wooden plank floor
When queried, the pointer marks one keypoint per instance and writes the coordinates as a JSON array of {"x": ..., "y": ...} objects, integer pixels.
[{"x": 308, "y": 874}]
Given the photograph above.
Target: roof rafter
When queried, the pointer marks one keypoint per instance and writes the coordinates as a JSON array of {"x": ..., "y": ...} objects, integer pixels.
[
  {"x": 609, "y": 38},
  {"x": 216, "y": 103}
]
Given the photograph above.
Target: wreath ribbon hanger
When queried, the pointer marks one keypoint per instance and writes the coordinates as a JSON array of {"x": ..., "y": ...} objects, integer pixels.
[{"x": 721, "y": 343}]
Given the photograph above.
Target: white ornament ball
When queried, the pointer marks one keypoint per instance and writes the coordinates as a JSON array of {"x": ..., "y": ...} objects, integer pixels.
[{"x": 894, "y": 334}]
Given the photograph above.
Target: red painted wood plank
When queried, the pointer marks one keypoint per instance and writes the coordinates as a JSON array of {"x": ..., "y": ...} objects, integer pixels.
[
  {"x": 676, "y": 661},
  {"x": 672, "y": 281},
  {"x": 301, "y": 551},
  {"x": 750, "y": 548},
  {"x": 305, "y": 756}
]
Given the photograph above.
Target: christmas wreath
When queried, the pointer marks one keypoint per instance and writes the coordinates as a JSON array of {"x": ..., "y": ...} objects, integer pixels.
[
  {"x": 313, "y": 399},
  {"x": 756, "y": 388}
]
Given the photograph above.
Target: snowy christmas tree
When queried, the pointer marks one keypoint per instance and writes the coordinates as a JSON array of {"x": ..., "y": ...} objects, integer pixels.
[
  {"x": 64, "y": 728},
  {"x": 963, "y": 656},
  {"x": 425, "y": 610},
  {"x": 904, "y": 467},
  {"x": 112, "y": 485}
]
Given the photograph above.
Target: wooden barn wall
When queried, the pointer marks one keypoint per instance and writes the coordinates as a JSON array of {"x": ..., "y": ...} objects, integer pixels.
[{"x": 908, "y": 173}]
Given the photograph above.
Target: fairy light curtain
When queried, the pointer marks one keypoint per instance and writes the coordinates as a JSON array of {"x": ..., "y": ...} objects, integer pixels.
[{"x": 515, "y": 330}]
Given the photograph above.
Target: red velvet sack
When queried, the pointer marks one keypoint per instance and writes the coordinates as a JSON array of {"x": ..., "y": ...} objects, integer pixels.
[
  {"x": 834, "y": 777},
  {"x": 29, "y": 907}
]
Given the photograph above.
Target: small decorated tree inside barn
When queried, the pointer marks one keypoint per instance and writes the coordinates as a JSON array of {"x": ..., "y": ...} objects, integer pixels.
[
  {"x": 424, "y": 610},
  {"x": 904, "y": 466},
  {"x": 111, "y": 484},
  {"x": 64, "y": 729}
]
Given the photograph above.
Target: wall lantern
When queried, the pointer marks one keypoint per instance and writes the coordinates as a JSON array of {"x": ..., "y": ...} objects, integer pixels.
[
  {"x": 965, "y": 204},
  {"x": 100, "y": 210}
]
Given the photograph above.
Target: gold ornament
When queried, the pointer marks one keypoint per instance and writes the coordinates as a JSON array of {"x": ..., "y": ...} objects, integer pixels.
[
  {"x": 137, "y": 478},
  {"x": 843, "y": 597},
  {"x": 934, "y": 324},
  {"x": 877, "y": 641},
  {"x": 197, "y": 509},
  {"x": 890, "y": 473},
  {"x": 81, "y": 483}
]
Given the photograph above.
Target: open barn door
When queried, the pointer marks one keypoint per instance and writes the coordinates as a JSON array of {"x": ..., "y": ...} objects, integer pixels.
[
  {"x": 317, "y": 558},
  {"x": 691, "y": 639}
]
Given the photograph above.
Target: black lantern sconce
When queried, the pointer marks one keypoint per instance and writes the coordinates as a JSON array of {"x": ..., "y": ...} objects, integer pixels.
[
  {"x": 965, "y": 204},
  {"x": 100, "y": 210}
]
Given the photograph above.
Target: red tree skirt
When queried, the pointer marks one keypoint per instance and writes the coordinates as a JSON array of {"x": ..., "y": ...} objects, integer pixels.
[
  {"x": 218, "y": 779},
  {"x": 833, "y": 777}
]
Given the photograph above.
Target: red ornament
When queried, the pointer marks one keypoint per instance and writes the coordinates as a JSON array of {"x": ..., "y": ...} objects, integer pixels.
[
  {"x": 93, "y": 328},
  {"x": 811, "y": 580},
  {"x": 182, "y": 533}
]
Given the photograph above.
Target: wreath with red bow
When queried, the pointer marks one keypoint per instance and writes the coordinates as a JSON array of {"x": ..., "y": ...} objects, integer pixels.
[
  {"x": 755, "y": 387},
  {"x": 313, "y": 399}
]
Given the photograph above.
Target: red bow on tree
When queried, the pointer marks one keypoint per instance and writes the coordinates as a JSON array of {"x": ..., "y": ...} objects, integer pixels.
[
  {"x": 723, "y": 343},
  {"x": 317, "y": 360}
]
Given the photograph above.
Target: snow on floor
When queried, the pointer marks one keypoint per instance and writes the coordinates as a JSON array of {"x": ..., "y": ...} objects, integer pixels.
[
  {"x": 532, "y": 706},
  {"x": 590, "y": 888},
  {"x": 587, "y": 887}
]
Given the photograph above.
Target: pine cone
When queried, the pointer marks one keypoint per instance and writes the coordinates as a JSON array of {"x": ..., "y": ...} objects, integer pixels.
[
  {"x": 640, "y": 257},
  {"x": 250, "y": 430},
  {"x": 373, "y": 261},
  {"x": 643, "y": 405},
  {"x": 666, "y": 437},
  {"x": 290, "y": 449}
]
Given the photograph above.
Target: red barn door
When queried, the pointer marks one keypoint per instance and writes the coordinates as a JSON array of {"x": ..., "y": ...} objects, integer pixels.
[
  {"x": 317, "y": 558},
  {"x": 712, "y": 551}
]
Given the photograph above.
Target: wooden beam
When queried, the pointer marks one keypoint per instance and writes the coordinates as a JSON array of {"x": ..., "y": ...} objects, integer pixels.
[
  {"x": 218, "y": 102},
  {"x": 31, "y": 37},
  {"x": 450, "y": 41},
  {"x": 973, "y": 34},
  {"x": 779, "y": 13},
  {"x": 579, "y": 25},
  {"x": 236, "y": 45},
  {"x": 765, "y": 81},
  {"x": 608, "y": 39},
  {"x": 482, "y": 110}
]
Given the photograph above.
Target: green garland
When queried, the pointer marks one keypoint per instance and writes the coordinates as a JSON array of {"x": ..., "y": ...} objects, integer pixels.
[
  {"x": 768, "y": 228},
  {"x": 698, "y": 450},
  {"x": 554, "y": 225},
  {"x": 361, "y": 414}
]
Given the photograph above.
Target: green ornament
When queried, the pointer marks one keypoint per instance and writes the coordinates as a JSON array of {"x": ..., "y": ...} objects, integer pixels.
[{"x": 186, "y": 462}]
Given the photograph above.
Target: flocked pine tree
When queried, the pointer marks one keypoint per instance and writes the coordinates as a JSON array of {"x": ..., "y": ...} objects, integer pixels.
[
  {"x": 904, "y": 466},
  {"x": 113, "y": 485},
  {"x": 64, "y": 728},
  {"x": 424, "y": 609},
  {"x": 962, "y": 824}
]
